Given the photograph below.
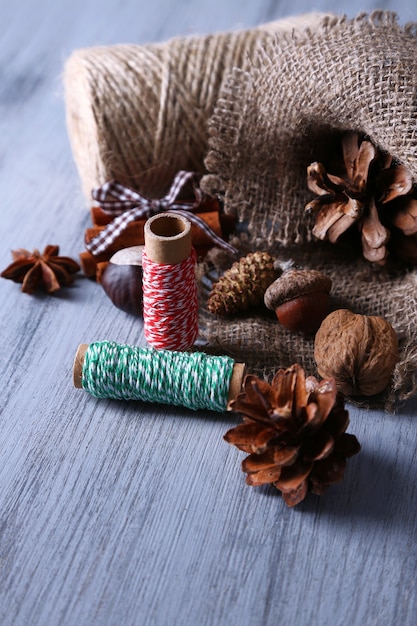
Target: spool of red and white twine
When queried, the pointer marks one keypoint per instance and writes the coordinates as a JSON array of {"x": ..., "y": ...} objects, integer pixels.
[{"x": 170, "y": 307}]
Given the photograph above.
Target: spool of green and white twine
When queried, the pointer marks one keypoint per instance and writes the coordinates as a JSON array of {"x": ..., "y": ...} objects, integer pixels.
[{"x": 193, "y": 380}]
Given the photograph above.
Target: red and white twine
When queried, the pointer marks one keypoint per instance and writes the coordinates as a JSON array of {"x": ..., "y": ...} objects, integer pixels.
[{"x": 170, "y": 307}]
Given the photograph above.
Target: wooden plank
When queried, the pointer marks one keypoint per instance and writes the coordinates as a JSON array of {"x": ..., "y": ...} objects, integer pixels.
[{"x": 119, "y": 513}]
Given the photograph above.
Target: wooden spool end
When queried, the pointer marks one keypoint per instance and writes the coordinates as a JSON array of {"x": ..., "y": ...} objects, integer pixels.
[
  {"x": 167, "y": 238},
  {"x": 77, "y": 370},
  {"x": 236, "y": 381}
]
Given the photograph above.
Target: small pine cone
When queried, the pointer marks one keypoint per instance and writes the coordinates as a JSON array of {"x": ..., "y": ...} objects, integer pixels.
[
  {"x": 294, "y": 431},
  {"x": 242, "y": 287}
]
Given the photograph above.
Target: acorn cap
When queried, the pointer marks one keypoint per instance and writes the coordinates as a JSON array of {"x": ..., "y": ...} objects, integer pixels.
[{"x": 295, "y": 283}]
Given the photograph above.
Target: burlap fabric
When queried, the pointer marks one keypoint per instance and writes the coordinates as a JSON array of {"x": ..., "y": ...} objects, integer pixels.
[{"x": 268, "y": 125}]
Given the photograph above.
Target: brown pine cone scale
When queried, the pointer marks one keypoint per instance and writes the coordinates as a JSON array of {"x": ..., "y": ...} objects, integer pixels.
[
  {"x": 367, "y": 192},
  {"x": 294, "y": 432},
  {"x": 242, "y": 287}
]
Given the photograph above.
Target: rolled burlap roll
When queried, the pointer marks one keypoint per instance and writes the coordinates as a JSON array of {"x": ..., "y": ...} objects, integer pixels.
[{"x": 139, "y": 113}]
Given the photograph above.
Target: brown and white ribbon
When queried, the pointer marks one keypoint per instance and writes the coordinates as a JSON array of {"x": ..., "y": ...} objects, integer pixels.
[{"x": 128, "y": 205}]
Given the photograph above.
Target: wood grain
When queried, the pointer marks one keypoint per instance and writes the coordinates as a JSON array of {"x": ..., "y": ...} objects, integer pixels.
[{"x": 125, "y": 514}]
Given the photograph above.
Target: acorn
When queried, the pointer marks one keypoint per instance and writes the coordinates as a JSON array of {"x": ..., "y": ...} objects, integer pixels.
[
  {"x": 300, "y": 299},
  {"x": 121, "y": 279}
]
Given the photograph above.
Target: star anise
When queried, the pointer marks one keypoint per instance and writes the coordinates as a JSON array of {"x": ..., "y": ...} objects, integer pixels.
[
  {"x": 294, "y": 432},
  {"x": 367, "y": 189},
  {"x": 36, "y": 271}
]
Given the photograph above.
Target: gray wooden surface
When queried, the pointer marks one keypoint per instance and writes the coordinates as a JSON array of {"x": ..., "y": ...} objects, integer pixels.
[{"x": 122, "y": 514}]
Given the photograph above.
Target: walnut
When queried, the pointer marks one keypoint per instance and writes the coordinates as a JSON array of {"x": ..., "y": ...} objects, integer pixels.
[{"x": 359, "y": 351}]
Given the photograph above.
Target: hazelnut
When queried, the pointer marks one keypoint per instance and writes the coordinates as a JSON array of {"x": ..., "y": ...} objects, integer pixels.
[
  {"x": 300, "y": 299},
  {"x": 359, "y": 351},
  {"x": 121, "y": 279}
]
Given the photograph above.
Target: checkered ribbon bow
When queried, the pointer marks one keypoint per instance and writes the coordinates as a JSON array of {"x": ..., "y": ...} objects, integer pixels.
[{"x": 127, "y": 205}]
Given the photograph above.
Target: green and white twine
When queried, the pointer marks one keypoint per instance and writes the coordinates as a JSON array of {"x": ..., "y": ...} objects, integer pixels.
[{"x": 190, "y": 379}]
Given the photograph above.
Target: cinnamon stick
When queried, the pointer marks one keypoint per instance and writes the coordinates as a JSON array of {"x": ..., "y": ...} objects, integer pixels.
[
  {"x": 133, "y": 234},
  {"x": 102, "y": 218}
]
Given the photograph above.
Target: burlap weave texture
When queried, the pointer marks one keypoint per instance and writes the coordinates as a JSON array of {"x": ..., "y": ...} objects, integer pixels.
[{"x": 268, "y": 125}]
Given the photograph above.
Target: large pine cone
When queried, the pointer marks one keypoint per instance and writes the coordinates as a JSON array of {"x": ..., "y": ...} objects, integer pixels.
[
  {"x": 294, "y": 430},
  {"x": 367, "y": 189}
]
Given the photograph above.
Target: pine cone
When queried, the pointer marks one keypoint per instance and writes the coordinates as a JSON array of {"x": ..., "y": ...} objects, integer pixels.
[
  {"x": 294, "y": 430},
  {"x": 242, "y": 287},
  {"x": 368, "y": 190}
]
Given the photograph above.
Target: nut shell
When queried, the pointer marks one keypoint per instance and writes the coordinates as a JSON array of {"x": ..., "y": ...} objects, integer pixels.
[
  {"x": 300, "y": 299},
  {"x": 294, "y": 283},
  {"x": 122, "y": 280},
  {"x": 304, "y": 313},
  {"x": 359, "y": 351}
]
